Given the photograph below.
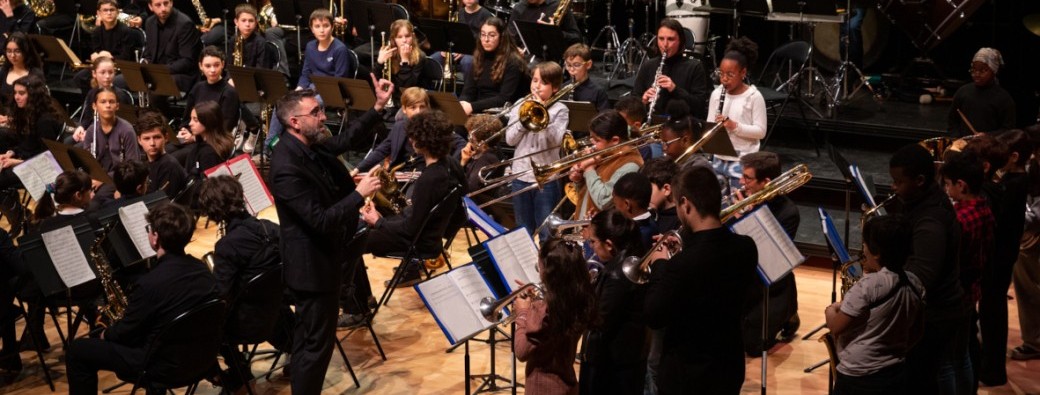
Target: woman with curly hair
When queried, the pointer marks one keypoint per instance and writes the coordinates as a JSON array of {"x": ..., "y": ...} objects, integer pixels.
[
  {"x": 209, "y": 143},
  {"x": 497, "y": 68},
  {"x": 33, "y": 119},
  {"x": 548, "y": 329},
  {"x": 22, "y": 60}
]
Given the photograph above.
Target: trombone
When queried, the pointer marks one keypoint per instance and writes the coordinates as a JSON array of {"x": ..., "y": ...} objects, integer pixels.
[
  {"x": 532, "y": 115},
  {"x": 637, "y": 269},
  {"x": 781, "y": 185},
  {"x": 568, "y": 146}
]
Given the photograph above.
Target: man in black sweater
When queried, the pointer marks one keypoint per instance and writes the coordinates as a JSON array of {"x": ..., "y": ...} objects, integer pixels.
[
  {"x": 706, "y": 282},
  {"x": 177, "y": 283},
  {"x": 681, "y": 78},
  {"x": 983, "y": 102},
  {"x": 173, "y": 40}
]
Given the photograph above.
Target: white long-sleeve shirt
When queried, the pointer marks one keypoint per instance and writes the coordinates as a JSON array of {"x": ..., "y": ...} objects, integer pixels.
[
  {"x": 527, "y": 142},
  {"x": 748, "y": 110}
]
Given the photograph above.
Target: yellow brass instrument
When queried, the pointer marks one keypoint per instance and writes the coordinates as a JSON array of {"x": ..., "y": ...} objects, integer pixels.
[
  {"x": 390, "y": 196},
  {"x": 561, "y": 10},
  {"x": 115, "y": 299},
  {"x": 851, "y": 272},
  {"x": 266, "y": 18},
  {"x": 638, "y": 269},
  {"x": 42, "y": 8},
  {"x": 705, "y": 138},
  {"x": 388, "y": 69},
  {"x": 491, "y": 308},
  {"x": 340, "y": 29},
  {"x": 532, "y": 115},
  {"x": 941, "y": 147},
  {"x": 449, "y": 61},
  {"x": 88, "y": 23},
  {"x": 208, "y": 258},
  {"x": 876, "y": 211},
  {"x": 207, "y": 23},
  {"x": 557, "y": 225},
  {"x": 237, "y": 53},
  {"x": 567, "y": 146},
  {"x": 781, "y": 185}
]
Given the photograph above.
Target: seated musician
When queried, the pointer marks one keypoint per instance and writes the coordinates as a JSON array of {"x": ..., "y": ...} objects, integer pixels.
[
  {"x": 542, "y": 11},
  {"x": 32, "y": 120},
  {"x": 986, "y": 104},
  {"x": 111, "y": 139},
  {"x": 631, "y": 198},
  {"x": 22, "y": 60},
  {"x": 215, "y": 87},
  {"x": 596, "y": 176},
  {"x": 409, "y": 67},
  {"x": 430, "y": 134},
  {"x": 548, "y": 328},
  {"x": 248, "y": 248},
  {"x": 677, "y": 135},
  {"x": 743, "y": 112},
  {"x": 177, "y": 283},
  {"x": 473, "y": 15},
  {"x": 208, "y": 144},
  {"x": 632, "y": 109},
  {"x": 616, "y": 347},
  {"x": 578, "y": 61},
  {"x": 102, "y": 75},
  {"x": 111, "y": 38},
  {"x": 708, "y": 282},
  {"x": 395, "y": 149},
  {"x": 759, "y": 168},
  {"x": 16, "y": 16},
  {"x": 660, "y": 171},
  {"x": 164, "y": 172},
  {"x": 173, "y": 40},
  {"x": 534, "y": 205},
  {"x": 882, "y": 316},
  {"x": 681, "y": 78},
  {"x": 131, "y": 181},
  {"x": 497, "y": 70},
  {"x": 256, "y": 50}
]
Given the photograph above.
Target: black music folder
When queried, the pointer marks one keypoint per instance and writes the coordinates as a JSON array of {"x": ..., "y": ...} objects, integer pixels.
[
  {"x": 71, "y": 158},
  {"x": 127, "y": 243}
]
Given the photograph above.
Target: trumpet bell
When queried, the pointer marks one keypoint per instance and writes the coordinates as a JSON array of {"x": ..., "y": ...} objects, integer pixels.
[
  {"x": 633, "y": 270},
  {"x": 489, "y": 310}
]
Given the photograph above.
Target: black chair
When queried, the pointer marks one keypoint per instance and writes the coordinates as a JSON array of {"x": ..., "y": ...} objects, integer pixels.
[
  {"x": 253, "y": 318},
  {"x": 184, "y": 351},
  {"x": 792, "y": 57}
]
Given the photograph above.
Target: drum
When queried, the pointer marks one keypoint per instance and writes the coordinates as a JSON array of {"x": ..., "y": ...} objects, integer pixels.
[
  {"x": 696, "y": 21},
  {"x": 826, "y": 50}
]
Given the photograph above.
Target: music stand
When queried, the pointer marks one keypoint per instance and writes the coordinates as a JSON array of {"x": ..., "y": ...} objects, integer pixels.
[
  {"x": 54, "y": 50},
  {"x": 547, "y": 40},
  {"x": 738, "y": 8},
  {"x": 74, "y": 7},
  {"x": 716, "y": 143},
  {"x": 449, "y": 37},
  {"x": 155, "y": 79},
  {"x": 72, "y": 158},
  {"x": 295, "y": 10},
  {"x": 255, "y": 85},
  {"x": 118, "y": 246},
  {"x": 345, "y": 93},
  {"x": 449, "y": 104},
  {"x": 579, "y": 113}
]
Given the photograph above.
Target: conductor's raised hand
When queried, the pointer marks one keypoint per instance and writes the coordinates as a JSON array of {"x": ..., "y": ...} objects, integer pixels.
[{"x": 384, "y": 90}]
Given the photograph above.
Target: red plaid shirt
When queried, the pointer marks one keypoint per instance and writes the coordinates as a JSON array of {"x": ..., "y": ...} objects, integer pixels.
[{"x": 977, "y": 223}]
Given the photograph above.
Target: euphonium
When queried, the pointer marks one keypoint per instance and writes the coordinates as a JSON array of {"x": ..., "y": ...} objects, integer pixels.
[
  {"x": 115, "y": 298},
  {"x": 781, "y": 185},
  {"x": 387, "y": 69},
  {"x": 638, "y": 269},
  {"x": 491, "y": 308},
  {"x": 390, "y": 196},
  {"x": 657, "y": 89}
]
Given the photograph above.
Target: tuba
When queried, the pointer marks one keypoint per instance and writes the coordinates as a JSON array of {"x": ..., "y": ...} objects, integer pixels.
[
  {"x": 115, "y": 299},
  {"x": 637, "y": 269}
]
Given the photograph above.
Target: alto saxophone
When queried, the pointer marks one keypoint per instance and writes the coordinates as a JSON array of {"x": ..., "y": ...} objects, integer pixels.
[
  {"x": 115, "y": 298},
  {"x": 449, "y": 67},
  {"x": 237, "y": 55},
  {"x": 388, "y": 69},
  {"x": 657, "y": 89}
]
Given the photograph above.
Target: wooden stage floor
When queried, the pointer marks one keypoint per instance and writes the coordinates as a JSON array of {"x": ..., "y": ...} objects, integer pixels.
[{"x": 418, "y": 364}]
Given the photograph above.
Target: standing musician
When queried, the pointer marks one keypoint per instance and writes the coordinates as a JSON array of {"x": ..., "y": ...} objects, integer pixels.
[
  {"x": 111, "y": 139},
  {"x": 984, "y": 103},
  {"x": 743, "y": 111},
  {"x": 409, "y": 67},
  {"x": 708, "y": 282},
  {"x": 578, "y": 61},
  {"x": 164, "y": 172},
  {"x": 497, "y": 70},
  {"x": 173, "y": 40},
  {"x": 616, "y": 347},
  {"x": 548, "y": 328},
  {"x": 759, "y": 168},
  {"x": 177, "y": 283},
  {"x": 532, "y": 207},
  {"x": 473, "y": 15},
  {"x": 595, "y": 177},
  {"x": 680, "y": 78},
  {"x": 317, "y": 204},
  {"x": 15, "y": 16},
  {"x": 542, "y": 11},
  {"x": 111, "y": 39}
]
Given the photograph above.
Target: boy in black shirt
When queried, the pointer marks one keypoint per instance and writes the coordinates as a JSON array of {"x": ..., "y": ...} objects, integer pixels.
[{"x": 164, "y": 172}]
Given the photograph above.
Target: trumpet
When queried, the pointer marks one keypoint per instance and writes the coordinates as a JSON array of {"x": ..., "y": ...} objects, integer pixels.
[
  {"x": 638, "y": 269},
  {"x": 876, "y": 211},
  {"x": 781, "y": 185},
  {"x": 557, "y": 225},
  {"x": 387, "y": 69},
  {"x": 491, "y": 308},
  {"x": 532, "y": 115}
]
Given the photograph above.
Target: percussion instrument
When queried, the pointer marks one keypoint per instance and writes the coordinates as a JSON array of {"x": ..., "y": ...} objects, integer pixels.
[
  {"x": 691, "y": 18},
  {"x": 827, "y": 41}
]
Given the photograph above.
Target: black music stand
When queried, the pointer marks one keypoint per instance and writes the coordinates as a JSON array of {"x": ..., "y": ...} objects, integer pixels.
[
  {"x": 74, "y": 7},
  {"x": 716, "y": 144},
  {"x": 54, "y": 50},
  {"x": 579, "y": 113},
  {"x": 118, "y": 246},
  {"x": 544, "y": 41},
  {"x": 155, "y": 79},
  {"x": 72, "y": 158},
  {"x": 449, "y": 104},
  {"x": 369, "y": 18},
  {"x": 449, "y": 37},
  {"x": 295, "y": 10},
  {"x": 345, "y": 93},
  {"x": 738, "y": 8}
]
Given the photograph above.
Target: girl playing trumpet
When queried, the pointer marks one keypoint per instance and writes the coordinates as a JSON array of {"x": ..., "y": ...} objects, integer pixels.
[{"x": 408, "y": 65}]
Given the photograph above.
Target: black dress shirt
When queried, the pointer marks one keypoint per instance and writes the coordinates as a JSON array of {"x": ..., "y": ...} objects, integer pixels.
[
  {"x": 119, "y": 41},
  {"x": 221, "y": 92},
  {"x": 166, "y": 174},
  {"x": 691, "y": 83}
]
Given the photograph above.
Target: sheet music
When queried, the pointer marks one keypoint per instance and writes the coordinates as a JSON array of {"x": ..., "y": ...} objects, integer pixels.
[
  {"x": 482, "y": 220},
  {"x": 865, "y": 190},
  {"x": 777, "y": 254},
  {"x": 516, "y": 258},
  {"x": 36, "y": 172},
  {"x": 454, "y": 299},
  {"x": 219, "y": 170},
  {"x": 256, "y": 194},
  {"x": 133, "y": 219},
  {"x": 67, "y": 256}
]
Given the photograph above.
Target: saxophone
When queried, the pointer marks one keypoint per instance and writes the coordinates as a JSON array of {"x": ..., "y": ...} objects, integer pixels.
[
  {"x": 388, "y": 69},
  {"x": 237, "y": 54},
  {"x": 206, "y": 22},
  {"x": 449, "y": 67},
  {"x": 561, "y": 10},
  {"x": 115, "y": 298},
  {"x": 390, "y": 196},
  {"x": 657, "y": 89}
]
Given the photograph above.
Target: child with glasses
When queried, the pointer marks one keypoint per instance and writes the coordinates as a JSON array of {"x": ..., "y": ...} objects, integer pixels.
[{"x": 743, "y": 111}]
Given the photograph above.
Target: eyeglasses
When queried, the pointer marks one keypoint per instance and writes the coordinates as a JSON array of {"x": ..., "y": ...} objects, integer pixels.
[
  {"x": 488, "y": 36},
  {"x": 314, "y": 113},
  {"x": 108, "y": 9},
  {"x": 728, "y": 75}
]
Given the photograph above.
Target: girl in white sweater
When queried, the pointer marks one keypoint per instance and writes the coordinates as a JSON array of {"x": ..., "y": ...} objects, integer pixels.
[{"x": 743, "y": 110}]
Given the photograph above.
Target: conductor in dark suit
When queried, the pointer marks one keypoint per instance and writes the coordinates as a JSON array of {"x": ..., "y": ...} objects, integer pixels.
[
  {"x": 318, "y": 205},
  {"x": 177, "y": 283},
  {"x": 173, "y": 40}
]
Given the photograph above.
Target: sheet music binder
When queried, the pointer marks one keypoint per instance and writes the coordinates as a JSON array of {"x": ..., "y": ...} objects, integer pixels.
[
  {"x": 453, "y": 299},
  {"x": 118, "y": 246},
  {"x": 830, "y": 232},
  {"x": 71, "y": 158},
  {"x": 38, "y": 171},
  {"x": 777, "y": 254},
  {"x": 257, "y": 196},
  {"x": 515, "y": 258},
  {"x": 479, "y": 218},
  {"x": 34, "y": 254}
]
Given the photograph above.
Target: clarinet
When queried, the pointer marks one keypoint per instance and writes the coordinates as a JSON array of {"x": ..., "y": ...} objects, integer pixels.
[
  {"x": 722, "y": 99},
  {"x": 657, "y": 89}
]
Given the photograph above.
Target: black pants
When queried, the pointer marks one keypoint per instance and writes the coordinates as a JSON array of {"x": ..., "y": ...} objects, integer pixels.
[
  {"x": 314, "y": 334},
  {"x": 356, "y": 290},
  {"x": 944, "y": 341},
  {"x": 887, "y": 381},
  {"x": 993, "y": 318},
  {"x": 86, "y": 357}
]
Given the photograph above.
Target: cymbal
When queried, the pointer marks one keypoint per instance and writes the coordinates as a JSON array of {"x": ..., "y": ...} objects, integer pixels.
[{"x": 1032, "y": 23}]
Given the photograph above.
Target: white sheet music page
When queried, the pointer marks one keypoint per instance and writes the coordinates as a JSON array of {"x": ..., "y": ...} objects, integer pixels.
[
  {"x": 69, "y": 260},
  {"x": 256, "y": 194},
  {"x": 36, "y": 172},
  {"x": 516, "y": 258},
  {"x": 133, "y": 219},
  {"x": 449, "y": 299},
  {"x": 777, "y": 254}
]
